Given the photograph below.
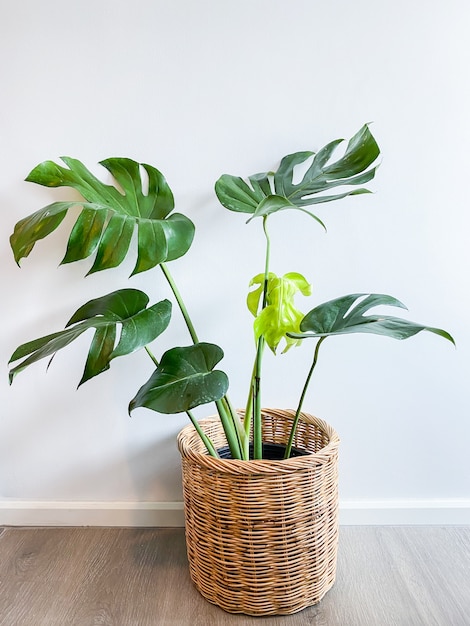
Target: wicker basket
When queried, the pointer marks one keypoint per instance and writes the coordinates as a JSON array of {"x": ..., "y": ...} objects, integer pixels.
[{"x": 262, "y": 535}]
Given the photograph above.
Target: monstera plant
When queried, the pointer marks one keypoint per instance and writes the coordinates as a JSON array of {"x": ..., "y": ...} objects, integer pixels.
[{"x": 123, "y": 322}]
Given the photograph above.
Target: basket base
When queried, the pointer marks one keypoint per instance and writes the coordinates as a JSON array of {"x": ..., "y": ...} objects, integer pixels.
[{"x": 264, "y": 611}]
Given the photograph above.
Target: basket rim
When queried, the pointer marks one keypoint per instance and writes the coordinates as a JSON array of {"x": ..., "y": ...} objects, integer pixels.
[{"x": 188, "y": 435}]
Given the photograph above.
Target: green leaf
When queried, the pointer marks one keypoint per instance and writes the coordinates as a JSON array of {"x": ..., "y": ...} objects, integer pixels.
[
  {"x": 109, "y": 216},
  {"x": 125, "y": 307},
  {"x": 99, "y": 354},
  {"x": 268, "y": 192},
  {"x": 279, "y": 317},
  {"x": 254, "y": 296},
  {"x": 37, "y": 226},
  {"x": 85, "y": 234},
  {"x": 114, "y": 243},
  {"x": 346, "y": 315},
  {"x": 272, "y": 204},
  {"x": 184, "y": 379}
]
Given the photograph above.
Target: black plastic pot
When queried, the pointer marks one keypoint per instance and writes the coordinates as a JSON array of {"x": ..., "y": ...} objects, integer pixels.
[{"x": 271, "y": 452}]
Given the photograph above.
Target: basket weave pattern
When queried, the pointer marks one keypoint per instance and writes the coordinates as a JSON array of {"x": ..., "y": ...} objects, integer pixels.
[{"x": 262, "y": 535}]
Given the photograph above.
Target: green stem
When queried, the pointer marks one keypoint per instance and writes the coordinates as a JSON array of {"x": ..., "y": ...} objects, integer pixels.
[
  {"x": 301, "y": 401},
  {"x": 257, "y": 426},
  {"x": 151, "y": 355},
  {"x": 205, "y": 439},
  {"x": 249, "y": 405},
  {"x": 180, "y": 302},
  {"x": 256, "y": 380},
  {"x": 243, "y": 438},
  {"x": 229, "y": 430},
  {"x": 207, "y": 442},
  {"x": 226, "y": 417}
]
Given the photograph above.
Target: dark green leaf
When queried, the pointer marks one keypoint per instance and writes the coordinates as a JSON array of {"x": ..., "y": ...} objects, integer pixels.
[
  {"x": 119, "y": 304},
  {"x": 44, "y": 347},
  {"x": 142, "y": 327},
  {"x": 109, "y": 215},
  {"x": 37, "y": 226},
  {"x": 184, "y": 379},
  {"x": 346, "y": 315},
  {"x": 268, "y": 192},
  {"x": 99, "y": 354},
  {"x": 271, "y": 204},
  {"x": 235, "y": 194},
  {"x": 114, "y": 243},
  {"x": 152, "y": 245},
  {"x": 179, "y": 233},
  {"x": 85, "y": 234},
  {"x": 126, "y": 307},
  {"x": 361, "y": 152}
]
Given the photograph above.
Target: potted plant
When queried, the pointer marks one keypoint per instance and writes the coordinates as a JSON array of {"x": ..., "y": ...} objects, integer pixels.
[{"x": 260, "y": 485}]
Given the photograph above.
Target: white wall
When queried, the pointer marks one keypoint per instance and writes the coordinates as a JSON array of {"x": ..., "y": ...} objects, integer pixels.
[{"x": 206, "y": 87}]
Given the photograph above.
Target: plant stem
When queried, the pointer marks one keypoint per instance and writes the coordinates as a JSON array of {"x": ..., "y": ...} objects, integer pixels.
[
  {"x": 180, "y": 302},
  {"x": 249, "y": 405},
  {"x": 229, "y": 430},
  {"x": 207, "y": 442},
  {"x": 243, "y": 437},
  {"x": 256, "y": 379},
  {"x": 257, "y": 426},
  {"x": 301, "y": 401},
  {"x": 230, "y": 420},
  {"x": 151, "y": 355}
]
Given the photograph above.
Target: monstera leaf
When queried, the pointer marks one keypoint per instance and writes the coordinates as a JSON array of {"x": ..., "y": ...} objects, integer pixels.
[
  {"x": 279, "y": 317},
  {"x": 269, "y": 192},
  {"x": 109, "y": 216},
  {"x": 125, "y": 308},
  {"x": 184, "y": 379},
  {"x": 346, "y": 315}
]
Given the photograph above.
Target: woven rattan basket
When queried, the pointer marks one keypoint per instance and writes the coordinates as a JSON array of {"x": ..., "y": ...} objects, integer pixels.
[{"x": 262, "y": 535}]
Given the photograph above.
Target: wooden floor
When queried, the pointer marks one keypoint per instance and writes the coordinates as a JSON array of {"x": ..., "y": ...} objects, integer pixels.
[{"x": 387, "y": 576}]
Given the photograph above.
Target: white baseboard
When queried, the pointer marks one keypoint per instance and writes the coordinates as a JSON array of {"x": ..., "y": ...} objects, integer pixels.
[
  {"x": 171, "y": 514},
  {"x": 139, "y": 514},
  {"x": 405, "y": 512}
]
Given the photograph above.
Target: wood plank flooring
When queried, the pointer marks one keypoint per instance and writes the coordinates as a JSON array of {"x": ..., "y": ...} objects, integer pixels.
[{"x": 387, "y": 576}]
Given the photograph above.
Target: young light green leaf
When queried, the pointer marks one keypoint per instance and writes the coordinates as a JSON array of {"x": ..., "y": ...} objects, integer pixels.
[
  {"x": 184, "y": 379},
  {"x": 345, "y": 315},
  {"x": 126, "y": 308},
  {"x": 279, "y": 317},
  {"x": 254, "y": 296},
  {"x": 109, "y": 215}
]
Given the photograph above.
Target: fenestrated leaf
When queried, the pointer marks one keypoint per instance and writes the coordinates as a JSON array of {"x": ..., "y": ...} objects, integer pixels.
[
  {"x": 114, "y": 243},
  {"x": 109, "y": 215},
  {"x": 85, "y": 234},
  {"x": 272, "y": 204},
  {"x": 45, "y": 347},
  {"x": 184, "y": 379},
  {"x": 269, "y": 192},
  {"x": 121, "y": 304},
  {"x": 37, "y": 226},
  {"x": 99, "y": 354},
  {"x": 345, "y": 315},
  {"x": 179, "y": 233},
  {"x": 235, "y": 194},
  {"x": 126, "y": 308}
]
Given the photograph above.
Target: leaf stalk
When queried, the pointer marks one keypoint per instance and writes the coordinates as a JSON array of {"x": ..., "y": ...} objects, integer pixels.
[{"x": 301, "y": 400}]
